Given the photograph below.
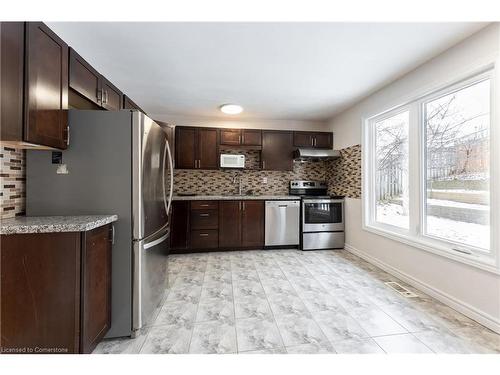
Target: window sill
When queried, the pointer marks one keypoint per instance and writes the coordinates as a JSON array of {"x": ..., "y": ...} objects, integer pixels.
[{"x": 484, "y": 262}]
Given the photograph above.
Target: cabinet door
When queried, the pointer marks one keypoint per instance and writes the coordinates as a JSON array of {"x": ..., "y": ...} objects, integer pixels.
[
  {"x": 12, "y": 73},
  {"x": 129, "y": 104},
  {"x": 111, "y": 96},
  {"x": 323, "y": 140},
  {"x": 40, "y": 284},
  {"x": 303, "y": 139},
  {"x": 185, "y": 147},
  {"x": 179, "y": 225},
  {"x": 207, "y": 149},
  {"x": 230, "y": 137},
  {"x": 251, "y": 137},
  {"x": 83, "y": 78},
  {"x": 277, "y": 150},
  {"x": 252, "y": 224},
  {"x": 46, "y": 87},
  {"x": 230, "y": 223},
  {"x": 96, "y": 287}
]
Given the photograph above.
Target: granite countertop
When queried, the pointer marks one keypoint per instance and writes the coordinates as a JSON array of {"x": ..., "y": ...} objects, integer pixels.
[
  {"x": 232, "y": 197},
  {"x": 52, "y": 224}
]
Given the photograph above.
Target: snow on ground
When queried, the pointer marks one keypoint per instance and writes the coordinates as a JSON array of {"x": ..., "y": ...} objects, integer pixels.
[
  {"x": 447, "y": 203},
  {"x": 457, "y": 231}
]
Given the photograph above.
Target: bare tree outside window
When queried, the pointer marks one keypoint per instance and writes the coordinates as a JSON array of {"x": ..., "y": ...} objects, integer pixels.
[
  {"x": 391, "y": 138},
  {"x": 457, "y": 166}
]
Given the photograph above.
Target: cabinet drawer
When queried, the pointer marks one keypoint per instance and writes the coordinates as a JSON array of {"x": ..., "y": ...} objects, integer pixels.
[
  {"x": 205, "y": 239},
  {"x": 204, "y": 219},
  {"x": 204, "y": 205}
]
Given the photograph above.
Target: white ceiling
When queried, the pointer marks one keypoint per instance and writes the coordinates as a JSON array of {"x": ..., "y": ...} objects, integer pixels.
[{"x": 304, "y": 71}]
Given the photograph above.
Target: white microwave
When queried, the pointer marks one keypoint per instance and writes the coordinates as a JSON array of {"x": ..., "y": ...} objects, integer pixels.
[{"x": 232, "y": 161}]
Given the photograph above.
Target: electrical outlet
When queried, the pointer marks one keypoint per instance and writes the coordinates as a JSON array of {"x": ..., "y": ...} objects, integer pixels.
[{"x": 264, "y": 180}]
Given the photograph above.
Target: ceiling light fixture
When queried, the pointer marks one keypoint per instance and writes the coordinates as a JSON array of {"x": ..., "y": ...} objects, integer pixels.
[{"x": 231, "y": 109}]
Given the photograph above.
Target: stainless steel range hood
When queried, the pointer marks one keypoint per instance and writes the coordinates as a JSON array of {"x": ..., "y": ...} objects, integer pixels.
[{"x": 315, "y": 153}]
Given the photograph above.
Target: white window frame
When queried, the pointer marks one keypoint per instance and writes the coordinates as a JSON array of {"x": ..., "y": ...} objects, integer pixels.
[{"x": 415, "y": 236}]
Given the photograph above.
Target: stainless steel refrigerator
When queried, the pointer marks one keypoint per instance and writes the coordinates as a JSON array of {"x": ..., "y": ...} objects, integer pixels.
[{"x": 117, "y": 163}]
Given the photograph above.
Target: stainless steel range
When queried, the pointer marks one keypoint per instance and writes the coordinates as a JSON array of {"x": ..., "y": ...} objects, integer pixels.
[{"x": 322, "y": 216}]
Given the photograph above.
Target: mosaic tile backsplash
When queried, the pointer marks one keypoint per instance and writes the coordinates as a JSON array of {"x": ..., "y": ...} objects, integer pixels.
[
  {"x": 343, "y": 176},
  {"x": 13, "y": 182},
  {"x": 342, "y": 182}
]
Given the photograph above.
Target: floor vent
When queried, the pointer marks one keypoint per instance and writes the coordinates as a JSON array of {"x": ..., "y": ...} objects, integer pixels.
[{"x": 400, "y": 289}]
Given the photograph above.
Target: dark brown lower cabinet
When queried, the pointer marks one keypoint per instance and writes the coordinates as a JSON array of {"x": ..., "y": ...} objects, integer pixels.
[
  {"x": 225, "y": 224},
  {"x": 56, "y": 291},
  {"x": 252, "y": 224},
  {"x": 229, "y": 224},
  {"x": 179, "y": 226}
]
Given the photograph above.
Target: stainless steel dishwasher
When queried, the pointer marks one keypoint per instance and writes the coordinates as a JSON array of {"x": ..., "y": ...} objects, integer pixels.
[{"x": 282, "y": 223}]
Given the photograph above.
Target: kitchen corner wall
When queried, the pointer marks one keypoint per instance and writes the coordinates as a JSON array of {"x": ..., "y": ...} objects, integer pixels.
[{"x": 13, "y": 182}]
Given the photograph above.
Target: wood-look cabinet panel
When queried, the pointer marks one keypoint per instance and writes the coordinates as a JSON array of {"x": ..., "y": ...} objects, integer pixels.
[
  {"x": 112, "y": 97},
  {"x": 46, "y": 87},
  {"x": 230, "y": 137},
  {"x": 277, "y": 150},
  {"x": 207, "y": 149},
  {"x": 96, "y": 287},
  {"x": 179, "y": 225},
  {"x": 40, "y": 283},
  {"x": 303, "y": 139},
  {"x": 204, "y": 205},
  {"x": 229, "y": 224},
  {"x": 205, "y": 239},
  {"x": 12, "y": 80},
  {"x": 313, "y": 139},
  {"x": 251, "y": 137},
  {"x": 83, "y": 78},
  {"x": 130, "y": 104},
  {"x": 204, "y": 219},
  {"x": 323, "y": 140},
  {"x": 252, "y": 223},
  {"x": 185, "y": 148}
]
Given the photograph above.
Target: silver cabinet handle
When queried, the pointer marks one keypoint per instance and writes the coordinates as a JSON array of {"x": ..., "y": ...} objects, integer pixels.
[
  {"x": 243, "y": 205},
  {"x": 67, "y": 135},
  {"x": 204, "y": 215},
  {"x": 203, "y": 234},
  {"x": 204, "y": 205},
  {"x": 112, "y": 239}
]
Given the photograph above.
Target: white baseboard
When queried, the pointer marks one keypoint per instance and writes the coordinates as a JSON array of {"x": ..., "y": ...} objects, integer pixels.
[{"x": 462, "y": 307}]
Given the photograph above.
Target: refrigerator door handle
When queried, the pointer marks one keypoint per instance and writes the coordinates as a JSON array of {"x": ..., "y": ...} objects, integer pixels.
[
  {"x": 157, "y": 241},
  {"x": 171, "y": 168},
  {"x": 163, "y": 176}
]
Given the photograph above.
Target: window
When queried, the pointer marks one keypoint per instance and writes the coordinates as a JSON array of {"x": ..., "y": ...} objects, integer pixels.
[
  {"x": 391, "y": 144},
  {"x": 457, "y": 131},
  {"x": 427, "y": 170}
]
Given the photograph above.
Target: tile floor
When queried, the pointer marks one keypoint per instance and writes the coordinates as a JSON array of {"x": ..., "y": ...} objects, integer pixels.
[{"x": 289, "y": 301}]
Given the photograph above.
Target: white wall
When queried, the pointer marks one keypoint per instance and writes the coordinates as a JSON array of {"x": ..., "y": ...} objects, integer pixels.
[
  {"x": 473, "y": 291},
  {"x": 240, "y": 124}
]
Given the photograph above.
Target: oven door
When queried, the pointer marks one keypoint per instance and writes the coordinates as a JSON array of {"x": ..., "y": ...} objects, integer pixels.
[{"x": 320, "y": 215}]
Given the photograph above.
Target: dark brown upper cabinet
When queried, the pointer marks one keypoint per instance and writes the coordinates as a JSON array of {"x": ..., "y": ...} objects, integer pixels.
[
  {"x": 250, "y": 137},
  {"x": 83, "y": 78},
  {"x": 240, "y": 137},
  {"x": 111, "y": 96},
  {"x": 90, "y": 84},
  {"x": 130, "y": 104},
  {"x": 12, "y": 78},
  {"x": 277, "y": 150},
  {"x": 313, "y": 139},
  {"x": 34, "y": 81},
  {"x": 46, "y": 87},
  {"x": 196, "y": 148}
]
